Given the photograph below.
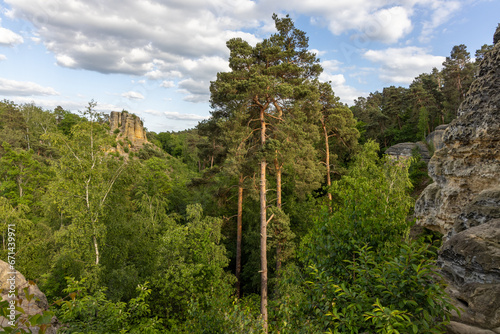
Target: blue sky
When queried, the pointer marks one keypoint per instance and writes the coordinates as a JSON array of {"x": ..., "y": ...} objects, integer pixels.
[{"x": 156, "y": 58}]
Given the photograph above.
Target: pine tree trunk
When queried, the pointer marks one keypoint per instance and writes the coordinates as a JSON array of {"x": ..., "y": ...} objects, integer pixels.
[
  {"x": 278, "y": 205},
  {"x": 327, "y": 162},
  {"x": 263, "y": 227},
  {"x": 239, "y": 230}
]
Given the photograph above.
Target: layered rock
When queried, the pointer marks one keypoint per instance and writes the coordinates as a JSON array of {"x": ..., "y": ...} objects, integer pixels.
[
  {"x": 130, "y": 126},
  {"x": 37, "y": 303},
  {"x": 405, "y": 150},
  {"x": 463, "y": 203}
]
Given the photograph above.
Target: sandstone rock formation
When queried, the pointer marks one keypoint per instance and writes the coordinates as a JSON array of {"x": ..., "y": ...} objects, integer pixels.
[
  {"x": 36, "y": 305},
  {"x": 130, "y": 126},
  {"x": 435, "y": 138},
  {"x": 463, "y": 203},
  {"x": 405, "y": 150}
]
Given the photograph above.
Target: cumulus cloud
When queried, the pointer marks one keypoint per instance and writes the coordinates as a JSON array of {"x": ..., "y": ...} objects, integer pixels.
[
  {"x": 3, "y": 57},
  {"x": 24, "y": 88},
  {"x": 9, "y": 38},
  {"x": 131, "y": 95},
  {"x": 346, "y": 93},
  {"x": 402, "y": 65},
  {"x": 186, "y": 40},
  {"x": 167, "y": 84},
  {"x": 159, "y": 40},
  {"x": 174, "y": 115}
]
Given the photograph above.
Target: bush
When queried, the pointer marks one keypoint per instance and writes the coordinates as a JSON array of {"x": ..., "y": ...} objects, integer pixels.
[
  {"x": 356, "y": 275},
  {"x": 399, "y": 294}
]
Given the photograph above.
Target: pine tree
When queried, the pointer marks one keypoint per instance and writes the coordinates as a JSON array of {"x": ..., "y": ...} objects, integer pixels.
[{"x": 268, "y": 83}]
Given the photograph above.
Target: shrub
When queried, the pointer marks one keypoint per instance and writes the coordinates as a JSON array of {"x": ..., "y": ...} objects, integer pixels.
[{"x": 399, "y": 294}]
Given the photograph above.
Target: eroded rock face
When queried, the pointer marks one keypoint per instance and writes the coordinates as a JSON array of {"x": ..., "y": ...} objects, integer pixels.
[
  {"x": 130, "y": 127},
  {"x": 463, "y": 203},
  {"x": 435, "y": 138},
  {"x": 405, "y": 150},
  {"x": 38, "y": 303},
  {"x": 469, "y": 162}
]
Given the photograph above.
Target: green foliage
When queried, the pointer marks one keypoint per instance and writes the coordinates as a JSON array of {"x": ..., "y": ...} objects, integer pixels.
[
  {"x": 12, "y": 125},
  {"x": 418, "y": 171},
  {"x": 370, "y": 207},
  {"x": 400, "y": 293},
  {"x": 21, "y": 323},
  {"x": 190, "y": 265},
  {"x": 224, "y": 315},
  {"x": 94, "y": 313},
  {"x": 67, "y": 120}
]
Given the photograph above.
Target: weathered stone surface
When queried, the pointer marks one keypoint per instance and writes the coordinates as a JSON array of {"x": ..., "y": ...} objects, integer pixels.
[
  {"x": 435, "y": 138},
  {"x": 459, "y": 328},
  {"x": 469, "y": 163},
  {"x": 482, "y": 208},
  {"x": 463, "y": 203},
  {"x": 38, "y": 303},
  {"x": 473, "y": 256},
  {"x": 131, "y": 128},
  {"x": 405, "y": 150}
]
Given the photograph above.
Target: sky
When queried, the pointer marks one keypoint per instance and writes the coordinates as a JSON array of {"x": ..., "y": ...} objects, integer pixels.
[{"x": 156, "y": 58}]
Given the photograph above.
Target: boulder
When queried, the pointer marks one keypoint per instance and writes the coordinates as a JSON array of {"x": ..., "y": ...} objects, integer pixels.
[{"x": 36, "y": 305}]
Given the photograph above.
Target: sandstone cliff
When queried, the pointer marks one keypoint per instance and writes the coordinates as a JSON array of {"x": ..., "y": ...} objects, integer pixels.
[
  {"x": 463, "y": 203},
  {"x": 130, "y": 128}
]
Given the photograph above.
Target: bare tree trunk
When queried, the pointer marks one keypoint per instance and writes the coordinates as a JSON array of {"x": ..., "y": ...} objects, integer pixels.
[
  {"x": 239, "y": 230},
  {"x": 263, "y": 227},
  {"x": 96, "y": 250}
]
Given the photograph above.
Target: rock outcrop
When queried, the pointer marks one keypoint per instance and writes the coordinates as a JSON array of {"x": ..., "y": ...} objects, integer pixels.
[
  {"x": 130, "y": 128},
  {"x": 435, "y": 138},
  {"x": 463, "y": 203},
  {"x": 36, "y": 305},
  {"x": 405, "y": 150}
]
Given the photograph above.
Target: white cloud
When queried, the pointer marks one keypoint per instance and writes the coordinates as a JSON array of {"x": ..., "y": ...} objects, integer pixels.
[
  {"x": 183, "y": 117},
  {"x": 402, "y": 65},
  {"x": 3, "y": 57},
  {"x": 331, "y": 65},
  {"x": 389, "y": 25},
  {"x": 131, "y": 95},
  {"x": 346, "y": 93},
  {"x": 167, "y": 84},
  {"x": 186, "y": 40},
  {"x": 153, "y": 112},
  {"x": 438, "y": 12},
  {"x": 317, "y": 52},
  {"x": 24, "y": 88},
  {"x": 9, "y": 38}
]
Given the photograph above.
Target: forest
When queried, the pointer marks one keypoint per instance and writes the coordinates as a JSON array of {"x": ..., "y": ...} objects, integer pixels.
[{"x": 278, "y": 214}]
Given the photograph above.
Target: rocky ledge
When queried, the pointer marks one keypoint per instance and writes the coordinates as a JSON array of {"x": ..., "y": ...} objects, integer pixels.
[{"x": 463, "y": 203}]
